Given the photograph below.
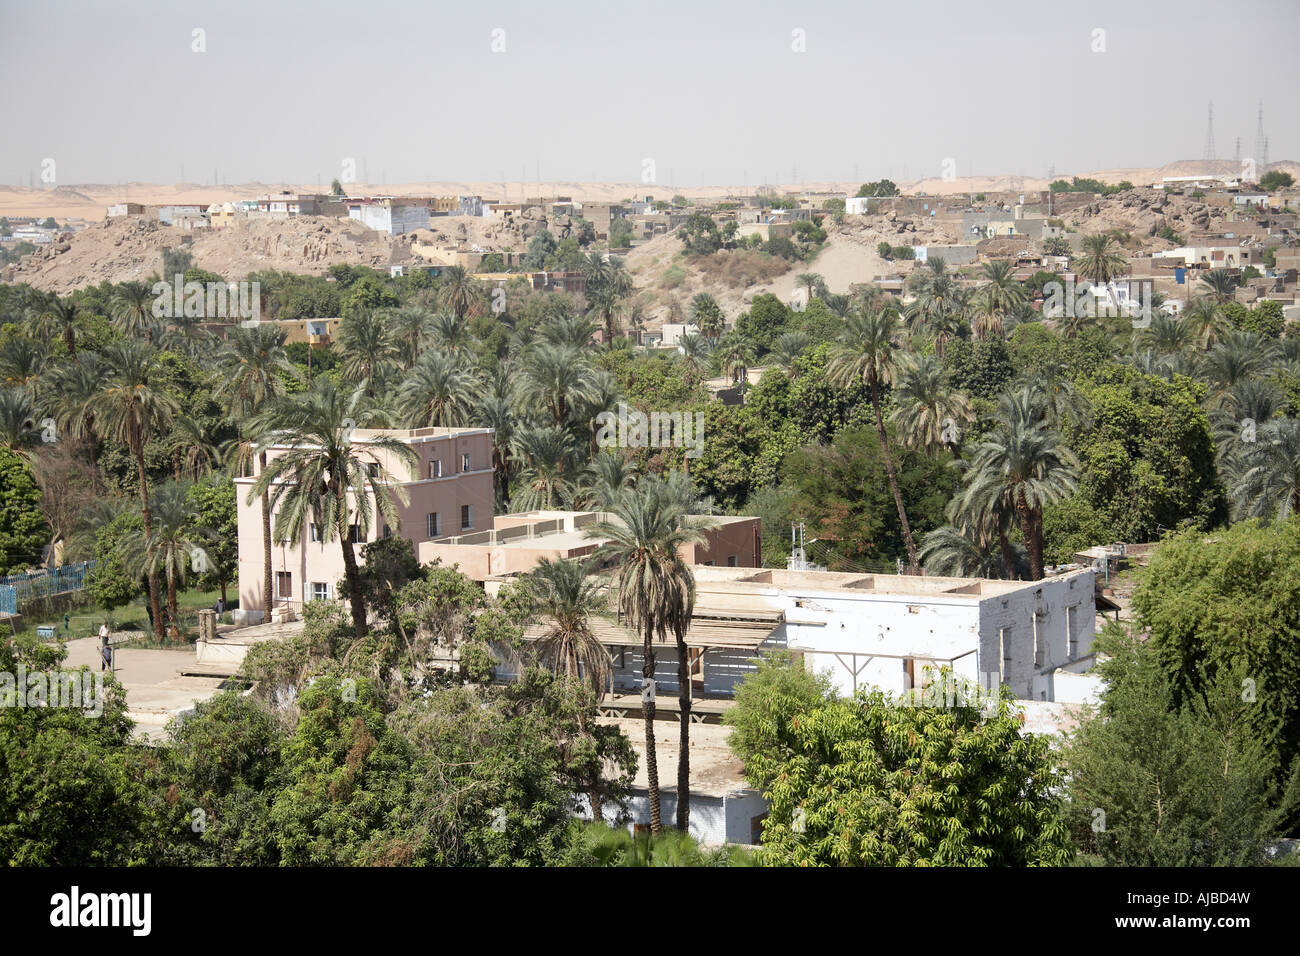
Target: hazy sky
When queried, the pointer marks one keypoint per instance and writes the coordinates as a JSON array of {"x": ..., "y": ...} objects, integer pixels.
[{"x": 711, "y": 92}]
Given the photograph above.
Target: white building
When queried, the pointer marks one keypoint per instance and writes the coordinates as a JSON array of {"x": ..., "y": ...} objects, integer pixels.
[
  {"x": 874, "y": 630},
  {"x": 390, "y": 216},
  {"x": 856, "y": 205}
]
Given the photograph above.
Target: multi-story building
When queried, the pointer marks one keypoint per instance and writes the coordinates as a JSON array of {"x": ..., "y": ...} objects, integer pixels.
[
  {"x": 448, "y": 491},
  {"x": 393, "y": 216}
]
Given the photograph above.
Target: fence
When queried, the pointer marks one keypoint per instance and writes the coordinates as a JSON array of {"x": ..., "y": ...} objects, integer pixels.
[{"x": 18, "y": 589}]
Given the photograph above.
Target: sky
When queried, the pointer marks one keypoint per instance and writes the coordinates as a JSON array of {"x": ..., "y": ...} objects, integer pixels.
[{"x": 689, "y": 92}]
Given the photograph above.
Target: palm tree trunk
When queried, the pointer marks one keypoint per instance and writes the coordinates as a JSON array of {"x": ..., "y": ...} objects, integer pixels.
[
  {"x": 137, "y": 446},
  {"x": 266, "y": 544},
  {"x": 355, "y": 596},
  {"x": 684, "y": 740},
  {"x": 913, "y": 565},
  {"x": 70, "y": 340},
  {"x": 1008, "y": 558},
  {"x": 1033, "y": 538},
  {"x": 173, "y": 613},
  {"x": 648, "y": 710}
]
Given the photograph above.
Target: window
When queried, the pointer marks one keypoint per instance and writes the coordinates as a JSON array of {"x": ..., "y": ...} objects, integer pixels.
[
  {"x": 388, "y": 532},
  {"x": 1005, "y": 639},
  {"x": 466, "y": 517},
  {"x": 354, "y": 534},
  {"x": 284, "y": 584},
  {"x": 731, "y": 561},
  {"x": 315, "y": 532},
  {"x": 435, "y": 468},
  {"x": 433, "y": 524},
  {"x": 464, "y": 462},
  {"x": 708, "y": 564},
  {"x": 372, "y": 469},
  {"x": 320, "y": 591}
]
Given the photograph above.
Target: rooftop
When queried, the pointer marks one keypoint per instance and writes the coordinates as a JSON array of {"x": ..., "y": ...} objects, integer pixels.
[{"x": 749, "y": 580}]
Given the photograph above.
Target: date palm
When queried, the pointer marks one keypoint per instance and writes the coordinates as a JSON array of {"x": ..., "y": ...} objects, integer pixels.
[
  {"x": 1000, "y": 296},
  {"x": 253, "y": 371},
  {"x": 460, "y": 291},
  {"x": 131, "y": 406},
  {"x": 168, "y": 548},
  {"x": 605, "y": 302},
  {"x": 708, "y": 316},
  {"x": 1022, "y": 466},
  {"x": 930, "y": 413},
  {"x": 656, "y": 597},
  {"x": 1220, "y": 285},
  {"x": 494, "y": 408},
  {"x": 409, "y": 325},
  {"x": 22, "y": 363},
  {"x": 573, "y": 331},
  {"x": 556, "y": 378},
  {"x": 735, "y": 356},
  {"x": 18, "y": 427},
  {"x": 450, "y": 332},
  {"x": 323, "y": 475},
  {"x": 1100, "y": 259},
  {"x": 547, "y": 460},
  {"x": 60, "y": 316},
  {"x": 867, "y": 352},
  {"x": 1269, "y": 484},
  {"x": 1168, "y": 334},
  {"x": 788, "y": 346},
  {"x": 695, "y": 352},
  {"x": 1237, "y": 357},
  {"x": 132, "y": 310},
  {"x": 607, "y": 475},
  {"x": 568, "y": 596},
  {"x": 368, "y": 350},
  {"x": 437, "y": 392},
  {"x": 1205, "y": 320}
]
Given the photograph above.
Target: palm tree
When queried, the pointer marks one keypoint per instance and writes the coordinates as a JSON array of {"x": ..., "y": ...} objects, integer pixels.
[
  {"x": 1269, "y": 486},
  {"x": 695, "y": 352},
  {"x": 1221, "y": 285},
  {"x": 410, "y": 326},
  {"x": 450, "y": 332},
  {"x": 1239, "y": 356},
  {"x": 195, "y": 446},
  {"x": 495, "y": 409},
  {"x": 1022, "y": 466},
  {"x": 574, "y": 331},
  {"x": 708, "y": 316},
  {"x": 939, "y": 305},
  {"x": 965, "y": 551},
  {"x": 1168, "y": 334},
  {"x": 1100, "y": 259},
  {"x": 556, "y": 378},
  {"x": 736, "y": 355},
  {"x": 459, "y": 292},
  {"x": 865, "y": 353},
  {"x": 548, "y": 459},
  {"x": 812, "y": 283},
  {"x": 930, "y": 412},
  {"x": 788, "y": 346},
  {"x": 1205, "y": 320},
  {"x": 568, "y": 596},
  {"x": 254, "y": 369},
  {"x": 61, "y": 315},
  {"x": 324, "y": 475},
  {"x": 22, "y": 362},
  {"x": 656, "y": 596},
  {"x": 605, "y": 301},
  {"x": 130, "y": 407},
  {"x": 168, "y": 547},
  {"x": 368, "y": 350},
  {"x": 999, "y": 297},
  {"x": 18, "y": 430},
  {"x": 606, "y": 476},
  {"x": 132, "y": 310},
  {"x": 438, "y": 392}
]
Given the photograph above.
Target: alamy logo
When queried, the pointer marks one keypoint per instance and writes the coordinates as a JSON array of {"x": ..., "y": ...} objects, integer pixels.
[
  {"x": 1090, "y": 301},
  {"x": 134, "y": 910},
  {"x": 207, "y": 300},
  {"x": 636, "y": 429},
  {"x": 79, "y": 690}
]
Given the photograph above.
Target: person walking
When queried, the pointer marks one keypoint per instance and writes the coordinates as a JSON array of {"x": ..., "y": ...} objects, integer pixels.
[{"x": 105, "y": 650}]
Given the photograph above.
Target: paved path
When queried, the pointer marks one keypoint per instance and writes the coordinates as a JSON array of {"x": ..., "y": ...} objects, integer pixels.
[{"x": 155, "y": 689}]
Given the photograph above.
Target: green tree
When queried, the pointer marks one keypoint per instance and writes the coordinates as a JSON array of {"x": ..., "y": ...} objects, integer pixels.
[
  {"x": 1159, "y": 778},
  {"x": 23, "y": 529},
  {"x": 1100, "y": 259},
  {"x": 1276, "y": 179},
  {"x": 875, "y": 781},
  {"x": 213, "y": 507}
]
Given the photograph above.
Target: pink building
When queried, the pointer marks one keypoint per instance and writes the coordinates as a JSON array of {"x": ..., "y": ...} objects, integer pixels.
[{"x": 448, "y": 492}]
